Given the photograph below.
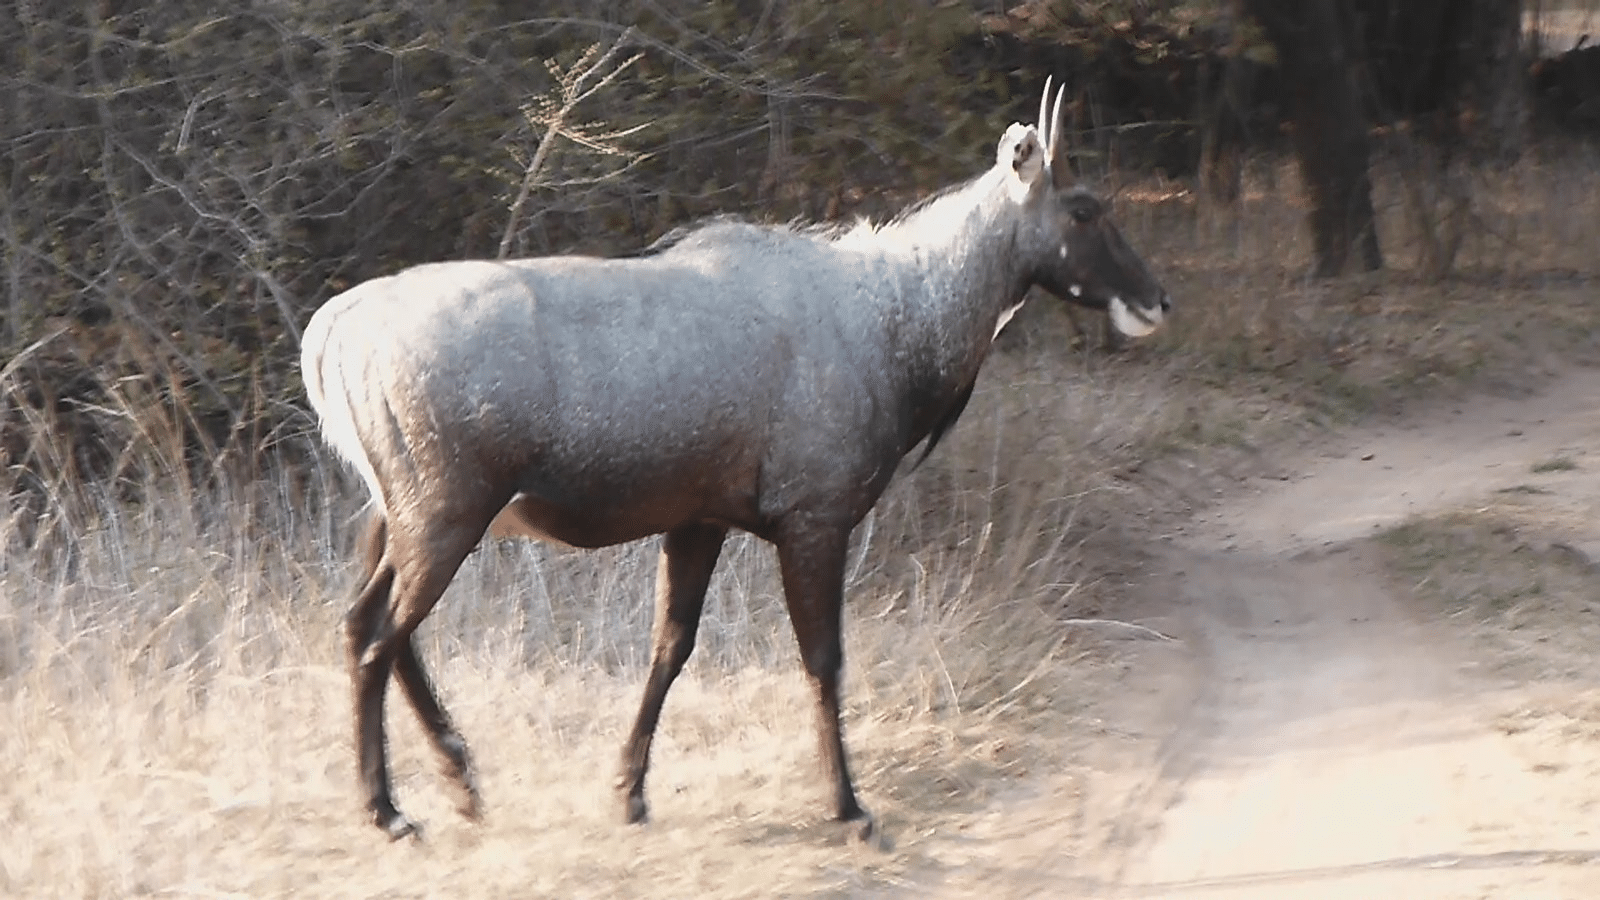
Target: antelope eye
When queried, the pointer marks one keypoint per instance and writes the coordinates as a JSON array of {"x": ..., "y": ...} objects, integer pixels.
[{"x": 1082, "y": 215}]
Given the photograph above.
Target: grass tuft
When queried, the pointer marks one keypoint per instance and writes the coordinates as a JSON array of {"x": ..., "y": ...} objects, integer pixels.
[{"x": 1555, "y": 464}]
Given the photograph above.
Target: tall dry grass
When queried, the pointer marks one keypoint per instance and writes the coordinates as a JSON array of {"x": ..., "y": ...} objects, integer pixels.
[{"x": 174, "y": 702}]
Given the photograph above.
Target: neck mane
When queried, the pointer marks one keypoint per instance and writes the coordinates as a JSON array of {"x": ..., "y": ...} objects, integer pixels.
[{"x": 951, "y": 271}]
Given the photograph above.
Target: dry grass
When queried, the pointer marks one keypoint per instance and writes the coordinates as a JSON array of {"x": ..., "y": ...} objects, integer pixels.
[
  {"x": 1507, "y": 574},
  {"x": 1527, "y": 600},
  {"x": 176, "y": 711},
  {"x": 175, "y": 705}
]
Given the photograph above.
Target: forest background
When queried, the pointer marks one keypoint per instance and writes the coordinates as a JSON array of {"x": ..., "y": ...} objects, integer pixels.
[{"x": 182, "y": 187}]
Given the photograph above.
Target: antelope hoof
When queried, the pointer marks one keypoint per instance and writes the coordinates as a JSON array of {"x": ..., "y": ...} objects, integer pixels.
[
  {"x": 864, "y": 832},
  {"x": 634, "y": 810},
  {"x": 469, "y": 804},
  {"x": 397, "y": 826},
  {"x": 458, "y": 766}
]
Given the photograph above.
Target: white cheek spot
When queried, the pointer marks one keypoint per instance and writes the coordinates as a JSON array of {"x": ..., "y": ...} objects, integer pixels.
[
  {"x": 1063, "y": 251},
  {"x": 1005, "y": 318},
  {"x": 1076, "y": 290},
  {"x": 1131, "y": 323}
]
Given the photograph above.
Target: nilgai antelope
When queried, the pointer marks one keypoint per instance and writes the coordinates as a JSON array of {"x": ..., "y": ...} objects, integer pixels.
[{"x": 767, "y": 378}]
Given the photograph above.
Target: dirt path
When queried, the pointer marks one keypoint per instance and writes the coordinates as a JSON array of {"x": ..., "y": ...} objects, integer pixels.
[
  {"x": 1338, "y": 748},
  {"x": 1310, "y": 735},
  {"x": 1335, "y": 745}
]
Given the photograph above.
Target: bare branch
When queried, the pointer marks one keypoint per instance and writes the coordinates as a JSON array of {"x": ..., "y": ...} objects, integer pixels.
[{"x": 553, "y": 115}]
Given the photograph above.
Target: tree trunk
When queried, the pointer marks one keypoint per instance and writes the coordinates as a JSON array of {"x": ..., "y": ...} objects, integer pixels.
[
  {"x": 1448, "y": 76},
  {"x": 1330, "y": 128},
  {"x": 1495, "y": 108}
]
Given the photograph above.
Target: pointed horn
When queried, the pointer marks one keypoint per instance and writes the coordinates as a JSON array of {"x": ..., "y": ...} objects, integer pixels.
[
  {"x": 1044, "y": 107},
  {"x": 1053, "y": 142}
]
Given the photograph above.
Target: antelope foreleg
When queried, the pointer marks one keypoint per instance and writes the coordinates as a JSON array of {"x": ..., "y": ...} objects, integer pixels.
[{"x": 812, "y": 562}]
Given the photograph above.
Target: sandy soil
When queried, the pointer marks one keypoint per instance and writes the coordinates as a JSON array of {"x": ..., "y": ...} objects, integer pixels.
[{"x": 1314, "y": 730}]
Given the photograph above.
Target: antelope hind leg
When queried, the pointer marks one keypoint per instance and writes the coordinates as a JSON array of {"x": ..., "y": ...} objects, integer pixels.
[{"x": 446, "y": 739}]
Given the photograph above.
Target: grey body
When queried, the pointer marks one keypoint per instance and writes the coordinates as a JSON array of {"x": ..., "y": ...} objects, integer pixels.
[
  {"x": 599, "y": 389},
  {"x": 763, "y": 378}
]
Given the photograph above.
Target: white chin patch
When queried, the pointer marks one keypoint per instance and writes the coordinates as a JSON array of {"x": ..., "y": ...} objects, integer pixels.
[
  {"x": 1076, "y": 290},
  {"x": 1131, "y": 323},
  {"x": 1005, "y": 318}
]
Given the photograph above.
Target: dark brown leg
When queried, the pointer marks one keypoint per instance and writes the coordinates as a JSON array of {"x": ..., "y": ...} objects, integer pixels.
[
  {"x": 688, "y": 556},
  {"x": 446, "y": 739},
  {"x": 407, "y": 576},
  {"x": 812, "y": 560},
  {"x": 373, "y": 544},
  {"x": 419, "y": 691},
  {"x": 369, "y": 676}
]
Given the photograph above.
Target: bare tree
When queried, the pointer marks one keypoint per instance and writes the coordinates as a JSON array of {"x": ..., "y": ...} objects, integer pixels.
[
  {"x": 1445, "y": 75},
  {"x": 1448, "y": 78}
]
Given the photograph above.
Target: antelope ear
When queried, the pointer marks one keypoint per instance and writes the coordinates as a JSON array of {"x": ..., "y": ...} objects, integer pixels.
[{"x": 1022, "y": 152}]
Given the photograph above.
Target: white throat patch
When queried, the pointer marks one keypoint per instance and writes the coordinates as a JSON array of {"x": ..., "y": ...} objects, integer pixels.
[{"x": 1005, "y": 318}]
